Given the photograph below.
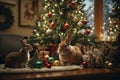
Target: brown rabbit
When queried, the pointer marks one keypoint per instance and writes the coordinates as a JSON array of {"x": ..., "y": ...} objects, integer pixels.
[
  {"x": 19, "y": 59},
  {"x": 69, "y": 54}
]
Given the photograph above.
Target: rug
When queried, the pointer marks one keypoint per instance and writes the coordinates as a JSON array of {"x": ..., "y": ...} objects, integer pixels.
[{"x": 34, "y": 70}]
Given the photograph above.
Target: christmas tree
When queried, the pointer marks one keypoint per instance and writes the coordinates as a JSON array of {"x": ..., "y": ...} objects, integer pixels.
[
  {"x": 60, "y": 18},
  {"x": 114, "y": 20}
]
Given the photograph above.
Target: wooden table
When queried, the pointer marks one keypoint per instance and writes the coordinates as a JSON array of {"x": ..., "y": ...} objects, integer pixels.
[{"x": 82, "y": 74}]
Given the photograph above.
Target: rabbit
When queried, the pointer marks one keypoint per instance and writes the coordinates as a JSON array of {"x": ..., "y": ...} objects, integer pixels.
[
  {"x": 93, "y": 56},
  {"x": 20, "y": 58},
  {"x": 69, "y": 55}
]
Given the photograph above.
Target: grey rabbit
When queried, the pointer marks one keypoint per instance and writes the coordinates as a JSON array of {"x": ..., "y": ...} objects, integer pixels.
[
  {"x": 19, "y": 59},
  {"x": 93, "y": 56}
]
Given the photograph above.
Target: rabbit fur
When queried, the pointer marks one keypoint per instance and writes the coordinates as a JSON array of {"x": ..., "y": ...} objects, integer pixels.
[
  {"x": 93, "y": 56},
  {"x": 68, "y": 54},
  {"x": 19, "y": 59}
]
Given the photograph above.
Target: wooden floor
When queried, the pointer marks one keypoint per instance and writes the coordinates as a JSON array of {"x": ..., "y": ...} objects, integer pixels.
[{"x": 83, "y": 74}]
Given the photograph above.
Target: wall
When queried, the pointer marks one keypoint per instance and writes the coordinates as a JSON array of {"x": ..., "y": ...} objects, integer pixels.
[{"x": 16, "y": 29}]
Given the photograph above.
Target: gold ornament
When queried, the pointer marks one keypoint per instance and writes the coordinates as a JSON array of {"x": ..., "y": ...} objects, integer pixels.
[
  {"x": 56, "y": 63},
  {"x": 110, "y": 65}
]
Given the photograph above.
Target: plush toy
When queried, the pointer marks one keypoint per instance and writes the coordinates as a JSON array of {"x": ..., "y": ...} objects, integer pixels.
[{"x": 19, "y": 59}]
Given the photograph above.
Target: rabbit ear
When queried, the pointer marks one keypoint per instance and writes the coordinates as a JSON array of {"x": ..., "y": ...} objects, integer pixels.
[
  {"x": 24, "y": 41},
  {"x": 68, "y": 38}
]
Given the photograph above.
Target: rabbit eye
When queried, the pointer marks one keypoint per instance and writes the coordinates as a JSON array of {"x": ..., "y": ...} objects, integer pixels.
[{"x": 65, "y": 46}]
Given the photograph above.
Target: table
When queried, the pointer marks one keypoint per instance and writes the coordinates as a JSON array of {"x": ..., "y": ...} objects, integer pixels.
[{"x": 82, "y": 74}]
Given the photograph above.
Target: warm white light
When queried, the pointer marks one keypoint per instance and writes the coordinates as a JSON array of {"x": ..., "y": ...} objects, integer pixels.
[
  {"x": 103, "y": 28},
  {"x": 116, "y": 26},
  {"x": 79, "y": 11},
  {"x": 48, "y": 4},
  {"x": 110, "y": 22},
  {"x": 56, "y": 5},
  {"x": 38, "y": 23},
  {"x": 53, "y": 10},
  {"x": 92, "y": 15},
  {"x": 88, "y": 39},
  {"x": 115, "y": 30},
  {"x": 37, "y": 34},
  {"x": 104, "y": 23},
  {"x": 90, "y": 25},
  {"x": 110, "y": 28}
]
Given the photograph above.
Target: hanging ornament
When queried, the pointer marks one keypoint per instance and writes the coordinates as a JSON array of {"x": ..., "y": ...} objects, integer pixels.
[
  {"x": 87, "y": 31},
  {"x": 72, "y": 4},
  {"x": 113, "y": 9},
  {"x": 49, "y": 14},
  {"x": 84, "y": 21},
  {"x": 66, "y": 26},
  {"x": 52, "y": 25}
]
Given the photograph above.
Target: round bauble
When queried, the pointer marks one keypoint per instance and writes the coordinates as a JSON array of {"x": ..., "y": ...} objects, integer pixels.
[
  {"x": 49, "y": 14},
  {"x": 56, "y": 63},
  {"x": 110, "y": 65},
  {"x": 52, "y": 25},
  {"x": 66, "y": 26},
  {"x": 51, "y": 59},
  {"x": 87, "y": 31},
  {"x": 113, "y": 9},
  {"x": 84, "y": 21},
  {"x": 38, "y": 64},
  {"x": 72, "y": 4}
]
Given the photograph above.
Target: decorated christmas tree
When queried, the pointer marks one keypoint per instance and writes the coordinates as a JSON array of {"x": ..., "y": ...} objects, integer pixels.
[
  {"x": 59, "y": 18},
  {"x": 114, "y": 20}
]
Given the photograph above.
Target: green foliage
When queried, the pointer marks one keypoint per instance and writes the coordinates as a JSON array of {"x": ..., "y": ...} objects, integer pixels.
[{"x": 59, "y": 18}]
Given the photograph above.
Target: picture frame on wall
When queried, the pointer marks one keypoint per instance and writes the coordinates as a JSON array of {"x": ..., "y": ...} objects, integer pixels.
[
  {"x": 10, "y": 2},
  {"x": 28, "y": 10}
]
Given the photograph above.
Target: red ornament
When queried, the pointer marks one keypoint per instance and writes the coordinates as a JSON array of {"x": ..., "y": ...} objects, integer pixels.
[
  {"x": 66, "y": 26},
  {"x": 52, "y": 25},
  {"x": 72, "y": 5},
  {"x": 87, "y": 31},
  {"x": 48, "y": 65},
  {"x": 49, "y": 14},
  {"x": 84, "y": 21},
  {"x": 85, "y": 64}
]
